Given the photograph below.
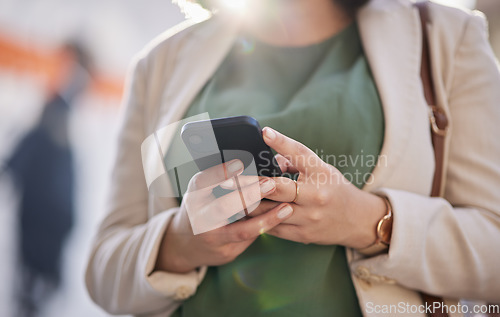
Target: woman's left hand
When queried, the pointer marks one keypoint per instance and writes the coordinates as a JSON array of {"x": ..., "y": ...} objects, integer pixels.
[{"x": 328, "y": 208}]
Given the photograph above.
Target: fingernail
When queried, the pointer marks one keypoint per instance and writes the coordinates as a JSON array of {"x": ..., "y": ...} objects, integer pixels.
[
  {"x": 227, "y": 183},
  {"x": 235, "y": 166},
  {"x": 267, "y": 185},
  {"x": 285, "y": 212},
  {"x": 269, "y": 133}
]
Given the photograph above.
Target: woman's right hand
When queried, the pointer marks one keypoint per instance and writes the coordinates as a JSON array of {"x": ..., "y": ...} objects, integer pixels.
[{"x": 181, "y": 251}]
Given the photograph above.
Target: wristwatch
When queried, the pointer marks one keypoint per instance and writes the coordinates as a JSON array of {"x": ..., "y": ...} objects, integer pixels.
[{"x": 384, "y": 232}]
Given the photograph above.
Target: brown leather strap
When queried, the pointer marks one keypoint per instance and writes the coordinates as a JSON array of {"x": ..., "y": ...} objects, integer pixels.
[
  {"x": 425, "y": 66},
  {"x": 439, "y": 124},
  {"x": 439, "y": 121}
]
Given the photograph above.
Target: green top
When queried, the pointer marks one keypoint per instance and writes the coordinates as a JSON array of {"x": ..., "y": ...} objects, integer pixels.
[{"x": 324, "y": 96}]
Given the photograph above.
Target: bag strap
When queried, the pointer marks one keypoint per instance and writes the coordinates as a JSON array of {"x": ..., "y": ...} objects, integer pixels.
[
  {"x": 439, "y": 125},
  {"x": 437, "y": 116}
]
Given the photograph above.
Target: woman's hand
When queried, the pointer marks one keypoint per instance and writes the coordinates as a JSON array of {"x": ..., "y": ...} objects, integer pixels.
[
  {"x": 182, "y": 251},
  {"x": 329, "y": 209}
]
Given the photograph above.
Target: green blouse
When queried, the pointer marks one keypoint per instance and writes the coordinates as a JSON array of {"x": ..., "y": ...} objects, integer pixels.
[{"x": 324, "y": 96}]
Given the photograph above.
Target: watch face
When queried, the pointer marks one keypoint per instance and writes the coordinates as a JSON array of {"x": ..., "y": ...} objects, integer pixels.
[{"x": 385, "y": 230}]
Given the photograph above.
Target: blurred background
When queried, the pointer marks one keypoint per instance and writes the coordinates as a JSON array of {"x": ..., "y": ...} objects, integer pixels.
[{"x": 62, "y": 68}]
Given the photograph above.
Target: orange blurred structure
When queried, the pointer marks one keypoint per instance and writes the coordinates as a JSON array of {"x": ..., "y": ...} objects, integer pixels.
[{"x": 43, "y": 64}]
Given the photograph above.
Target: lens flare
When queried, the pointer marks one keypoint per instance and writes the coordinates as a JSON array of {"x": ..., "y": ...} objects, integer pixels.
[
  {"x": 192, "y": 10},
  {"x": 247, "y": 46},
  {"x": 234, "y": 5}
]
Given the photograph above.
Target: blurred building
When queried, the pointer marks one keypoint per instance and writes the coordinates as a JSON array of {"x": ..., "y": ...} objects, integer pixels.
[{"x": 30, "y": 33}]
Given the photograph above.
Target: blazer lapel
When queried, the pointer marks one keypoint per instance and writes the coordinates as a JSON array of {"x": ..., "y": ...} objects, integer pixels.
[
  {"x": 198, "y": 58},
  {"x": 390, "y": 33}
]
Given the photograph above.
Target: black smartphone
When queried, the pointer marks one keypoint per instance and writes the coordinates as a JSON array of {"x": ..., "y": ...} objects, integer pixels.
[{"x": 212, "y": 142}]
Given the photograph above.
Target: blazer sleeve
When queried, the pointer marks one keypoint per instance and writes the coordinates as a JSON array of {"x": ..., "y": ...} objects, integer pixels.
[
  {"x": 451, "y": 246},
  {"x": 119, "y": 275}
]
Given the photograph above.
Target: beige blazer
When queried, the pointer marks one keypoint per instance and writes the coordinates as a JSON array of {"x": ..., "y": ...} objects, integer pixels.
[{"x": 448, "y": 246}]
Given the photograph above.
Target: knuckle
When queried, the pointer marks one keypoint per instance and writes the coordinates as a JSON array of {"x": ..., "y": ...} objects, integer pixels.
[
  {"x": 322, "y": 197},
  {"x": 305, "y": 156},
  {"x": 225, "y": 253},
  {"x": 243, "y": 235},
  {"x": 228, "y": 253},
  {"x": 315, "y": 216},
  {"x": 282, "y": 183},
  {"x": 300, "y": 148}
]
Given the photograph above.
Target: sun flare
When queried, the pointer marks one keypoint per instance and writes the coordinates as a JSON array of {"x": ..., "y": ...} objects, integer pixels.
[
  {"x": 192, "y": 10},
  {"x": 234, "y": 5}
]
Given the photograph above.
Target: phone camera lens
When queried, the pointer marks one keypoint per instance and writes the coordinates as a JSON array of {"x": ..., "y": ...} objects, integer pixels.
[{"x": 195, "y": 139}]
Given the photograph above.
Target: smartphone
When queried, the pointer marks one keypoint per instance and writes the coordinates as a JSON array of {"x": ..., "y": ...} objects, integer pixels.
[{"x": 212, "y": 142}]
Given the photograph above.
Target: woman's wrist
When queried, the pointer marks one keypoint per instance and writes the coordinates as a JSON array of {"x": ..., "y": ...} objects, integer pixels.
[
  {"x": 368, "y": 211},
  {"x": 169, "y": 260},
  {"x": 383, "y": 231}
]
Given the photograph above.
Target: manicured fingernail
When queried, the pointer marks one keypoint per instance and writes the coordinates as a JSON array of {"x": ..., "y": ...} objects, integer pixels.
[
  {"x": 267, "y": 185},
  {"x": 234, "y": 166},
  {"x": 285, "y": 212},
  {"x": 269, "y": 133},
  {"x": 227, "y": 183}
]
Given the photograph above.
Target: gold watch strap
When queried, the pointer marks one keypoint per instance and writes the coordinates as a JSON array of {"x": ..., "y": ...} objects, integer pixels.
[{"x": 383, "y": 231}]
